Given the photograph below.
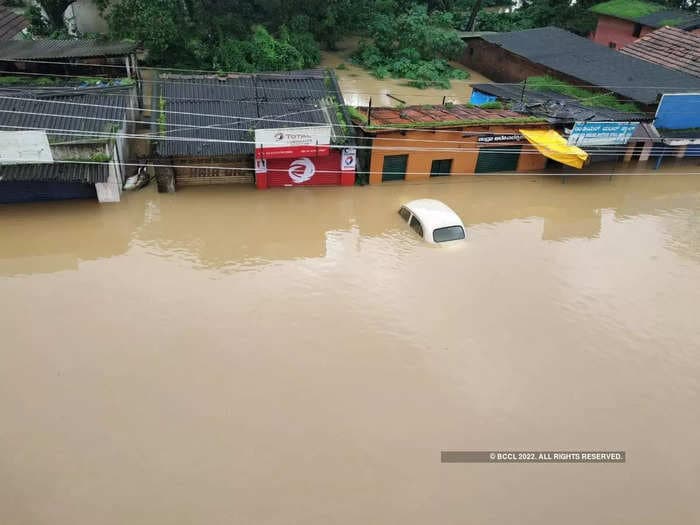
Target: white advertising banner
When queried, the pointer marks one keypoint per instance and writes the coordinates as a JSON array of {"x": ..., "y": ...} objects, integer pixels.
[
  {"x": 260, "y": 165},
  {"x": 348, "y": 161},
  {"x": 25, "y": 147},
  {"x": 292, "y": 142}
]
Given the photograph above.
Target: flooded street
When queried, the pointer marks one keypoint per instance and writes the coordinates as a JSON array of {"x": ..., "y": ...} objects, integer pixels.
[
  {"x": 359, "y": 85},
  {"x": 226, "y": 355}
]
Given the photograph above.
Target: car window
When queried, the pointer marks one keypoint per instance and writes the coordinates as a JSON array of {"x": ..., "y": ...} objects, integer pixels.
[
  {"x": 405, "y": 214},
  {"x": 450, "y": 233},
  {"x": 416, "y": 225}
]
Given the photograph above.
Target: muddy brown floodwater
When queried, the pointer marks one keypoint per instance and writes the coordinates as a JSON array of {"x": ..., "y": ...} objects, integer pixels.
[
  {"x": 225, "y": 355},
  {"x": 359, "y": 85}
]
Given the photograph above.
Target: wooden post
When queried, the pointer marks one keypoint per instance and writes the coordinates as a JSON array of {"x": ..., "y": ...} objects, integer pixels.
[{"x": 369, "y": 112}]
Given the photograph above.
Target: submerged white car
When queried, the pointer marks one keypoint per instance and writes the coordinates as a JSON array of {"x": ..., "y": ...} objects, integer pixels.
[{"x": 433, "y": 220}]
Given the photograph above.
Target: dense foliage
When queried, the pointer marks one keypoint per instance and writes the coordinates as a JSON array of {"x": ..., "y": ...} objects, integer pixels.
[
  {"x": 414, "y": 45},
  {"x": 234, "y": 35},
  {"x": 46, "y": 17},
  {"x": 408, "y": 39}
]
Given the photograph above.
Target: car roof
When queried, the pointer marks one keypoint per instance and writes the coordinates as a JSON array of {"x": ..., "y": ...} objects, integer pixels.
[{"x": 433, "y": 214}]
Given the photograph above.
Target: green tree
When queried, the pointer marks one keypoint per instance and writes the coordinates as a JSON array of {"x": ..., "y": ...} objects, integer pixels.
[
  {"x": 569, "y": 15},
  {"x": 46, "y": 17},
  {"x": 163, "y": 26},
  {"x": 414, "y": 44}
]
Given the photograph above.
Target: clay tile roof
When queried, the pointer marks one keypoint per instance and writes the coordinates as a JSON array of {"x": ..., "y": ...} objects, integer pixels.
[
  {"x": 669, "y": 47},
  {"x": 441, "y": 116},
  {"x": 11, "y": 23}
]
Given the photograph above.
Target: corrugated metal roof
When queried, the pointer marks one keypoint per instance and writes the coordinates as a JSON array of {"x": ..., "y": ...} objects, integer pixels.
[
  {"x": 55, "y": 49},
  {"x": 596, "y": 65},
  {"x": 672, "y": 17},
  {"x": 85, "y": 173},
  {"x": 11, "y": 23},
  {"x": 556, "y": 107},
  {"x": 68, "y": 115},
  {"x": 229, "y": 109},
  {"x": 669, "y": 47}
]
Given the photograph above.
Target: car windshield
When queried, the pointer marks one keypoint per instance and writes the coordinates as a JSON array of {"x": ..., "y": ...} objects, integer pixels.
[{"x": 450, "y": 233}]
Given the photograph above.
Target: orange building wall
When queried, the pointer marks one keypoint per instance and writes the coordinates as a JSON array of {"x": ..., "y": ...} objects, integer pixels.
[
  {"x": 531, "y": 159},
  {"x": 463, "y": 162},
  {"x": 419, "y": 162}
]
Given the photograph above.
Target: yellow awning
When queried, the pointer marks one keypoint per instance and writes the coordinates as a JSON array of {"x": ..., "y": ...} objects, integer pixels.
[{"x": 551, "y": 144}]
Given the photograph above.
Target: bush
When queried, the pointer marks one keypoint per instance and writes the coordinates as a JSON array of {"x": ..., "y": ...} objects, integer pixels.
[
  {"x": 586, "y": 97},
  {"x": 414, "y": 45},
  {"x": 263, "y": 52}
]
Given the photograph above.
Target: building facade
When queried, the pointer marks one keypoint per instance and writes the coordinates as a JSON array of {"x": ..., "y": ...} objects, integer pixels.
[
  {"x": 621, "y": 22},
  {"x": 216, "y": 122},
  {"x": 81, "y": 142},
  {"x": 518, "y": 55},
  {"x": 418, "y": 143}
]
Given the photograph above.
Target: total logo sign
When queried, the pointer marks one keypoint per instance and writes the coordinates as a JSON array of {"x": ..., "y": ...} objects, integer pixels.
[{"x": 301, "y": 170}]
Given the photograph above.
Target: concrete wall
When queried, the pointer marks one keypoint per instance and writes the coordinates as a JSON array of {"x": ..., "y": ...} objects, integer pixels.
[
  {"x": 501, "y": 65},
  {"x": 463, "y": 162},
  {"x": 621, "y": 32},
  {"x": 498, "y": 64},
  {"x": 111, "y": 190}
]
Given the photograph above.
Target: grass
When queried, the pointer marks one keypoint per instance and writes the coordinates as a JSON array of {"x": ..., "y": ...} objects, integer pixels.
[
  {"x": 586, "y": 97},
  {"x": 51, "y": 81},
  {"x": 671, "y": 21},
  {"x": 491, "y": 105},
  {"x": 25, "y": 81},
  {"x": 459, "y": 123},
  {"x": 162, "y": 117},
  {"x": 357, "y": 115},
  {"x": 627, "y": 9},
  {"x": 341, "y": 122},
  {"x": 95, "y": 157}
]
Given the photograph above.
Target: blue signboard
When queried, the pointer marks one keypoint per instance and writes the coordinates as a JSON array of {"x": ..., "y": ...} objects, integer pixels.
[
  {"x": 678, "y": 112},
  {"x": 601, "y": 133}
]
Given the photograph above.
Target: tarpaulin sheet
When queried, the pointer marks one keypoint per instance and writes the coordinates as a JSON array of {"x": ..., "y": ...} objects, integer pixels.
[{"x": 551, "y": 144}]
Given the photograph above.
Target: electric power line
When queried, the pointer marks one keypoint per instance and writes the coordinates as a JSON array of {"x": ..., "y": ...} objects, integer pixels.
[
  {"x": 289, "y": 75},
  {"x": 606, "y": 151},
  {"x": 389, "y": 128}
]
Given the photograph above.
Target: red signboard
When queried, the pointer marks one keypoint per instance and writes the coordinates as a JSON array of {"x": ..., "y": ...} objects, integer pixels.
[
  {"x": 287, "y": 152},
  {"x": 306, "y": 171}
]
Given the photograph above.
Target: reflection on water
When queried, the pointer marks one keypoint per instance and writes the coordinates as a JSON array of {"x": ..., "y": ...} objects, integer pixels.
[
  {"x": 224, "y": 228},
  {"x": 230, "y": 355}
]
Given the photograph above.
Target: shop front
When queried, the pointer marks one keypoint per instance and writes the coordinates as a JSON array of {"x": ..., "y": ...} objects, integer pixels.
[
  {"x": 417, "y": 155},
  {"x": 424, "y": 142},
  {"x": 289, "y": 157},
  {"x": 335, "y": 169}
]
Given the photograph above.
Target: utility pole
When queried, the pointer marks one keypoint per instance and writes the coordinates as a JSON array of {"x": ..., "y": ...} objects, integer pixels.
[{"x": 522, "y": 93}]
